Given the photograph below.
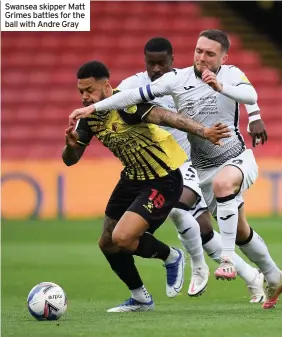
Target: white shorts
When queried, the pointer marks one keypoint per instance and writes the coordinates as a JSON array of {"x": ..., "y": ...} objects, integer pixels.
[
  {"x": 245, "y": 162},
  {"x": 191, "y": 181}
]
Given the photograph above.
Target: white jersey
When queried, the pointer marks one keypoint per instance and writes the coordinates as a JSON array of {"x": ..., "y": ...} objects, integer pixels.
[
  {"x": 199, "y": 101},
  {"x": 141, "y": 79}
]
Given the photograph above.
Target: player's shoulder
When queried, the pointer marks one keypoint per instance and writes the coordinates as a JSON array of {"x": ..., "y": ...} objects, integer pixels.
[
  {"x": 134, "y": 81},
  {"x": 177, "y": 73},
  {"x": 230, "y": 69},
  {"x": 182, "y": 71}
]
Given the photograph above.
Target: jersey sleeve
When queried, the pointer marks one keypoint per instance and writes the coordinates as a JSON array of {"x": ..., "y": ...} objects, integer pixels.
[
  {"x": 84, "y": 132},
  {"x": 252, "y": 108},
  {"x": 129, "y": 83},
  {"x": 136, "y": 113},
  {"x": 237, "y": 77},
  {"x": 160, "y": 87}
]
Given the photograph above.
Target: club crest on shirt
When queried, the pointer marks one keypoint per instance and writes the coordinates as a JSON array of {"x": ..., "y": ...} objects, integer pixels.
[{"x": 115, "y": 127}]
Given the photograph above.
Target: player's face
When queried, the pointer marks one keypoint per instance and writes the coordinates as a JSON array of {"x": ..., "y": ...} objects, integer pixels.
[
  {"x": 208, "y": 55},
  {"x": 92, "y": 91},
  {"x": 157, "y": 64}
]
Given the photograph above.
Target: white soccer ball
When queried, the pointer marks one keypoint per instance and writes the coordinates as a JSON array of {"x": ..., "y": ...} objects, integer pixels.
[{"x": 47, "y": 301}]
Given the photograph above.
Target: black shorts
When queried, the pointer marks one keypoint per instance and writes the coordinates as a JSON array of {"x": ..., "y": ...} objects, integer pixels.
[{"x": 151, "y": 199}]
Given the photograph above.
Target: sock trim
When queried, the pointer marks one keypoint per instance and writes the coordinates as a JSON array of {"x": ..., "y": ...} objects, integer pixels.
[
  {"x": 243, "y": 243},
  {"x": 227, "y": 198},
  {"x": 202, "y": 209},
  {"x": 181, "y": 205},
  {"x": 241, "y": 205}
]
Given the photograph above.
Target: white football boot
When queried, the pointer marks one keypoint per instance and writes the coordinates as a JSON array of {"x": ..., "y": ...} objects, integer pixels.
[{"x": 199, "y": 281}]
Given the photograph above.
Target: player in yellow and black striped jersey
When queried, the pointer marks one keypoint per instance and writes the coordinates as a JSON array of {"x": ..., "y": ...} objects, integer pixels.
[
  {"x": 150, "y": 184},
  {"x": 145, "y": 150}
]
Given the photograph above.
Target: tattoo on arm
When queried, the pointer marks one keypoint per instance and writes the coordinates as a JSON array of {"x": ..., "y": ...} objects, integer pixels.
[{"x": 178, "y": 121}]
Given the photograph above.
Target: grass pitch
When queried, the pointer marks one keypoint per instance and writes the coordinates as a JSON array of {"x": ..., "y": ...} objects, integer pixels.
[{"x": 66, "y": 252}]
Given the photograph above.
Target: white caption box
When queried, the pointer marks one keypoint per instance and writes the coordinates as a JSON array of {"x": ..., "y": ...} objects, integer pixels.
[{"x": 40, "y": 15}]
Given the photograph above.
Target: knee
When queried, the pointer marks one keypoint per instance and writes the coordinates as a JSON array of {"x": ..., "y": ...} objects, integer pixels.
[
  {"x": 122, "y": 240},
  {"x": 222, "y": 186},
  {"x": 106, "y": 244}
]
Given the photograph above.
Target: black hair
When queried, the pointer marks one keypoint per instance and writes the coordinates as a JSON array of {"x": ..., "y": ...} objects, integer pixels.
[
  {"x": 158, "y": 44},
  {"x": 218, "y": 36},
  {"x": 94, "y": 69}
]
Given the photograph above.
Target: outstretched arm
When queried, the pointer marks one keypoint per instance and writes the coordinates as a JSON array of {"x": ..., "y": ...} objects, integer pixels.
[
  {"x": 184, "y": 123},
  {"x": 162, "y": 86}
]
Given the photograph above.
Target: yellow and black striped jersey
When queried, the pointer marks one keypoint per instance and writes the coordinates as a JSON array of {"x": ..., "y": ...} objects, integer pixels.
[{"x": 145, "y": 150}]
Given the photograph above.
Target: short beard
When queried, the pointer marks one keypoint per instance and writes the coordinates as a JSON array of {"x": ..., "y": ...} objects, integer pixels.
[{"x": 199, "y": 73}]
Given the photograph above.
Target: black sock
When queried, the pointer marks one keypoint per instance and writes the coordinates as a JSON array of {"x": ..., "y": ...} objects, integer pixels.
[
  {"x": 123, "y": 265},
  {"x": 150, "y": 247}
]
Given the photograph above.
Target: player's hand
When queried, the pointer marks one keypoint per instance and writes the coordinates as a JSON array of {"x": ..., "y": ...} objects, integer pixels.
[
  {"x": 80, "y": 113},
  {"x": 209, "y": 78},
  {"x": 258, "y": 132},
  {"x": 217, "y": 132},
  {"x": 71, "y": 137}
]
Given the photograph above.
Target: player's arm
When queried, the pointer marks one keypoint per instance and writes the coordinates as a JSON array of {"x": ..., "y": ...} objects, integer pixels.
[
  {"x": 76, "y": 142},
  {"x": 129, "y": 97},
  {"x": 240, "y": 90},
  {"x": 182, "y": 122},
  {"x": 256, "y": 127}
]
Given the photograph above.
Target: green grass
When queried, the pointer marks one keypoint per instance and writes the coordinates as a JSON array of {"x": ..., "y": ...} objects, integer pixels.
[{"x": 66, "y": 253}]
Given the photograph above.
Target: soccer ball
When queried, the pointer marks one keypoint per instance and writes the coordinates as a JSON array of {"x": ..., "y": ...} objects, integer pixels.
[{"x": 47, "y": 301}]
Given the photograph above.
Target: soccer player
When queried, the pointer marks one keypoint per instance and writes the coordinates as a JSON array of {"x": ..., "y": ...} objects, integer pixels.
[
  {"x": 149, "y": 186},
  {"x": 208, "y": 90},
  {"x": 192, "y": 210}
]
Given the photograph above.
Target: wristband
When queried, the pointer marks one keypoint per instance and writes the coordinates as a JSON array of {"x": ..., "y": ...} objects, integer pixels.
[{"x": 254, "y": 118}]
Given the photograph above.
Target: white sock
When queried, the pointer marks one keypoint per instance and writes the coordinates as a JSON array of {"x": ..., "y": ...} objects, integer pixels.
[
  {"x": 190, "y": 236},
  {"x": 257, "y": 252},
  {"x": 227, "y": 219},
  {"x": 213, "y": 249},
  {"x": 173, "y": 256},
  {"x": 141, "y": 295}
]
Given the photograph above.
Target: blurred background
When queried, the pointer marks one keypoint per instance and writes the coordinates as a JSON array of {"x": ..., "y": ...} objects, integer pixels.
[{"x": 39, "y": 91}]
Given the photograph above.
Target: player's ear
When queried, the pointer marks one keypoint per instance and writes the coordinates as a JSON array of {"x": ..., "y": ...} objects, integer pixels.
[
  {"x": 107, "y": 84},
  {"x": 224, "y": 58},
  {"x": 172, "y": 58}
]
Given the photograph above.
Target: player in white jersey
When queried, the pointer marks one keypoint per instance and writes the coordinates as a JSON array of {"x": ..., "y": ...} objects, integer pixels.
[
  {"x": 206, "y": 92},
  {"x": 158, "y": 59}
]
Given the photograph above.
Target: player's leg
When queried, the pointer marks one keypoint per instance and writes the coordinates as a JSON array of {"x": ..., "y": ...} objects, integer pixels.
[
  {"x": 237, "y": 174},
  {"x": 212, "y": 245},
  {"x": 191, "y": 203},
  {"x": 253, "y": 246},
  {"x": 146, "y": 214},
  {"x": 123, "y": 263}
]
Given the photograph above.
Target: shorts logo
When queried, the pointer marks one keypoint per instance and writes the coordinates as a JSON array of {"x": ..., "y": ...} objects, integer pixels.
[
  {"x": 190, "y": 174},
  {"x": 155, "y": 201},
  {"x": 237, "y": 161}
]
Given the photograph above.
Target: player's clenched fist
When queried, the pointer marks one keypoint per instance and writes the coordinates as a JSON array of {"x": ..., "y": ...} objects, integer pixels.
[
  {"x": 71, "y": 137},
  {"x": 209, "y": 78}
]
